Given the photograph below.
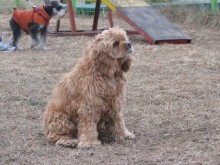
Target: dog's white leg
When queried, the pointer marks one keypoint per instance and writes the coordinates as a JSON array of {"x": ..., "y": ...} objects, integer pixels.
[
  {"x": 11, "y": 40},
  {"x": 43, "y": 46}
]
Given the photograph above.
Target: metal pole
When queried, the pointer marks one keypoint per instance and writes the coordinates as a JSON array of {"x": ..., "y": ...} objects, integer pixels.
[
  {"x": 58, "y": 22},
  {"x": 214, "y": 5},
  {"x": 17, "y": 2},
  {"x": 110, "y": 17},
  {"x": 71, "y": 16},
  {"x": 96, "y": 16},
  {"x": 74, "y": 4}
]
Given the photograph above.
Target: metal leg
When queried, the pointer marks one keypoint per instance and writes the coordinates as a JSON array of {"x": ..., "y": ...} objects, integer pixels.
[
  {"x": 96, "y": 16},
  {"x": 110, "y": 17},
  {"x": 71, "y": 15}
]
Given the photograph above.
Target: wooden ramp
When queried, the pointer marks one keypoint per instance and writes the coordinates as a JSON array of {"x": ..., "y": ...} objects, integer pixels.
[{"x": 148, "y": 22}]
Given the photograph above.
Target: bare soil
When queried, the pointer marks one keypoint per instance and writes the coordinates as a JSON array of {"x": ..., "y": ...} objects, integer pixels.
[{"x": 173, "y": 100}]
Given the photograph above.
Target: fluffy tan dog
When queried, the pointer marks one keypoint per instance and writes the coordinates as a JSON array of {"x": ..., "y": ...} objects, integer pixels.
[{"x": 88, "y": 100}]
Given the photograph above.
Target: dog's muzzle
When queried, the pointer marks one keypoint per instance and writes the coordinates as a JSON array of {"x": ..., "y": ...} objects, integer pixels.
[
  {"x": 62, "y": 12},
  {"x": 128, "y": 45}
]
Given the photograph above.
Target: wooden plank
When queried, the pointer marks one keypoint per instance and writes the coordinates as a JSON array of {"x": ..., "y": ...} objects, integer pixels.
[
  {"x": 96, "y": 16},
  {"x": 110, "y": 5},
  {"x": 154, "y": 27},
  {"x": 125, "y": 3},
  {"x": 153, "y": 23}
]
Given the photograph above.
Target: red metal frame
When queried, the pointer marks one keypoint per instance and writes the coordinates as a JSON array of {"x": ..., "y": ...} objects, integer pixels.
[
  {"x": 71, "y": 15},
  {"x": 96, "y": 15},
  {"x": 179, "y": 41},
  {"x": 94, "y": 31},
  {"x": 110, "y": 17},
  {"x": 86, "y": 33}
]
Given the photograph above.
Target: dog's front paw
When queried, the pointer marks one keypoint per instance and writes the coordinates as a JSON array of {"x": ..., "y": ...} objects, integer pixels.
[
  {"x": 67, "y": 143},
  {"x": 121, "y": 139},
  {"x": 19, "y": 48},
  {"x": 88, "y": 145},
  {"x": 129, "y": 135}
]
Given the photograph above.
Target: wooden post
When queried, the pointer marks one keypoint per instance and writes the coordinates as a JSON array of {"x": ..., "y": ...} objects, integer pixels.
[
  {"x": 74, "y": 4},
  {"x": 110, "y": 17},
  {"x": 58, "y": 22},
  {"x": 214, "y": 5},
  {"x": 17, "y": 2},
  {"x": 96, "y": 16},
  {"x": 71, "y": 15}
]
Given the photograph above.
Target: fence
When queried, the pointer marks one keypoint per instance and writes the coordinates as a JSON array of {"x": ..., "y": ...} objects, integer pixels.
[
  {"x": 211, "y": 5},
  {"x": 7, "y": 5}
]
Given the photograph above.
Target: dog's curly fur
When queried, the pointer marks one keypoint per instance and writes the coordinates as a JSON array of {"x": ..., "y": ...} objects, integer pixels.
[{"x": 88, "y": 100}]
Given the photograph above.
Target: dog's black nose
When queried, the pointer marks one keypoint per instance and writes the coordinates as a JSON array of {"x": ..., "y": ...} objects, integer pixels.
[{"x": 128, "y": 45}]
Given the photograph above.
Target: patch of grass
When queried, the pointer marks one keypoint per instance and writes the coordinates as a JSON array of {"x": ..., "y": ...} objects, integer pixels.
[
  {"x": 35, "y": 102},
  {"x": 7, "y": 6},
  {"x": 172, "y": 100},
  {"x": 192, "y": 16}
]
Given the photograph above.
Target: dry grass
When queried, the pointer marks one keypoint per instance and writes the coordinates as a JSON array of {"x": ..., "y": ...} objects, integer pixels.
[
  {"x": 6, "y": 6},
  {"x": 193, "y": 16},
  {"x": 173, "y": 101}
]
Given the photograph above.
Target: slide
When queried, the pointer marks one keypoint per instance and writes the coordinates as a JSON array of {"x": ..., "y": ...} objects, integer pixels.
[{"x": 147, "y": 21}]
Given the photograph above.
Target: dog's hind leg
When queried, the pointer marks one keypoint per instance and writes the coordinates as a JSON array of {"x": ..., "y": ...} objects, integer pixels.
[
  {"x": 16, "y": 32},
  {"x": 58, "y": 128},
  {"x": 68, "y": 143},
  {"x": 62, "y": 140}
]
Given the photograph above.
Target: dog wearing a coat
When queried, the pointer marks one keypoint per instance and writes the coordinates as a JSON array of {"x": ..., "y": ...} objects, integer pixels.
[{"x": 35, "y": 22}]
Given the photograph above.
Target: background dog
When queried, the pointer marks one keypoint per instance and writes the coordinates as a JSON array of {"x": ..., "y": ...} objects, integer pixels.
[
  {"x": 34, "y": 22},
  {"x": 88, "y": 101}
]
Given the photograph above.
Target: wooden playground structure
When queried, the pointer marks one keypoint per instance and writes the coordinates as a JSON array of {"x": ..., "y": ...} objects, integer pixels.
[
  {"x": 145, "y": 20},
  {"x": 93, "y": 31}
]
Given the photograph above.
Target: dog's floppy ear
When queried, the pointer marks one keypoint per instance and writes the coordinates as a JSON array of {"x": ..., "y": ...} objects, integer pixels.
[
  {"x": 47, "y": 2},
  {"x": 126, "y": 65}
]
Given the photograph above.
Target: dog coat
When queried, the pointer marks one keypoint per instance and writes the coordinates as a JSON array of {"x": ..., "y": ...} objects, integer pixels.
[{"x": 38, "y": 15}]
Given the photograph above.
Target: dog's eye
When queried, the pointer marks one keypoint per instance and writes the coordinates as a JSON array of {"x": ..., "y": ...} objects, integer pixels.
[{"x": 116, "y": 43}]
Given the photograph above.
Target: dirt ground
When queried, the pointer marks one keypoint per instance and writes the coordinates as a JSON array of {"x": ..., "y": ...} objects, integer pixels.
[{"x": 173, "y": 101}]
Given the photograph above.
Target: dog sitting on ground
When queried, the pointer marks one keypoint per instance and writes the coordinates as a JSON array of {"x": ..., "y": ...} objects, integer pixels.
[
  {"x": 34, "y": 22},
  {"x": 88, "y": 101}
]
